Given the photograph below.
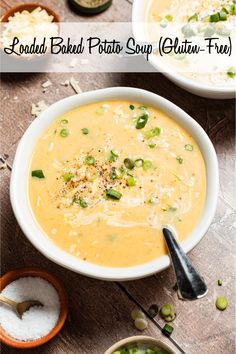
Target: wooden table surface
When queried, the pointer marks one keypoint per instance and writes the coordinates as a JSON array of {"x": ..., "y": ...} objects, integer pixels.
[{"x": 99, "y": 312}]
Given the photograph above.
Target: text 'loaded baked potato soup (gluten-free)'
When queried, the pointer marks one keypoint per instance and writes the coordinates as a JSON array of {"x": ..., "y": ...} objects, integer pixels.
[{"x": 105, "y": 177}]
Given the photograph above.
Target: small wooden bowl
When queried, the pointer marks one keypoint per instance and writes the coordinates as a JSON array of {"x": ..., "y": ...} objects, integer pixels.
[
  {"x": 29, "y": 7},
  {"x": 35, "y": 272}
]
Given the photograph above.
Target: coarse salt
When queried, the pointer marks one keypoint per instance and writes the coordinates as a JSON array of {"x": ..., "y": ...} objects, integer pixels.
[{"x": 38, "y": 321}]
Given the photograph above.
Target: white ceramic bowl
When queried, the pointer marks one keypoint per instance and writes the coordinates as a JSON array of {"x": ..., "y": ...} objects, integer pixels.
[
  {"x": 140, "y": 340},
  {"x": 198, "y": 88},
  {"x": 19, "y": 195}
]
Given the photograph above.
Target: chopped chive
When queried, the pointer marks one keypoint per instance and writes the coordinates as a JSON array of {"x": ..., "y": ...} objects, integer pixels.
[
  {"x": 112, "y": 193},
  {"x": 215, "y": 17},
  {"x": 85, "y": 131},
  {"x": 113, "y": 156},
  {"x": 169, "y": 18},
  {"x": 152, "y": 133},
  {"x": 131, "y": 181},
  {"x": 64, "y": 121},
  {"x": 180, "y": 160},
  {"x": 152, "y": 146},
  {"x": 83, "y": 203},
  {"x": 193, "y": 18},
  {"x": 131, "y": 107},
  {"x": 221, "y": 303},
  {"x": 89, "y": 160},
  {"x": 67, "y": 177},
  {"x": 64, "y": 133},
  {"x": 129, "y": 163},
  {"x": 147, "y": 165},
  {"x": 37, "y": 174},
  {"x": 153, "y": 310},
  {"x": 220, "y": 282},
  {"x": 188, "y": 147},
  {"x": 167, "y": 330},
  {"x": 231, "y": 72},
  {"x": 142, "y": 121},
  {"x": 138, "y": 163}
]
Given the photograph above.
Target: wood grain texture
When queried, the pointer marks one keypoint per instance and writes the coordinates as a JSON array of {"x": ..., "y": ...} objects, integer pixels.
[{"x": 100, "y": 311}]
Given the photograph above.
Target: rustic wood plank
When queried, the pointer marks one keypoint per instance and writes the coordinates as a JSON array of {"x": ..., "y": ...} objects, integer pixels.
[
  {"x": 198, "y": 327},
  {"x": 99, "y": 312}
]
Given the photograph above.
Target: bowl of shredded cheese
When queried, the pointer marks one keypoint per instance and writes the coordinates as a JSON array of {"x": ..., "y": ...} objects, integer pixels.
[{"x": 26, "y": 22}]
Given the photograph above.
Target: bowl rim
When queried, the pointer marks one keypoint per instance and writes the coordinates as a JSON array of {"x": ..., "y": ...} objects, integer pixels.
[
  {"x": 201, "y": 89},
  {"x": 19, "y": 177},
  {"x": 26, "y": 6},
  {"x": 140, "y": 339},
  {"x": 9, "y": 277}
]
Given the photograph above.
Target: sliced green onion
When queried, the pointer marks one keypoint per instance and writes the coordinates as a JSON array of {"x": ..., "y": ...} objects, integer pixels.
[
  {"x": 67, "y": 177},
  {"x": 147, "y": 165},
  {"x": 136, "y": 313},
  {"x": 141, "y": 323},
  {"x": 170, "y": 318},
  {"x": 113, "y": 174},
  {"x": 152, "y": 146},
  {"x": 64, "y": 121},
  {"x": 167, "y": 330},
  {"x": 172, "y": 209},
  {"x": 83, "y": 203},
  {"x": 138, "y": 163},
  {"x": 112, "y": 193},
  {"x": 180, "y": 160},
  {"x": 113, "y": 156},
  {"x": 223, "y": 16},
  {"x": 131, "y": 107},
  {"x": 153, "y": 310},
  {"x": 193, "y": 18},
  {"x": 142, "y": 121},
  {"x": 131, "y": 181},
  {"x": 215, "y": 17},
  {"x": 153, "y": 200},
  {"x": 85, "y": 131},
  {"x": 188, "y": 147},
  {"x": 166, "y": 310},
  {"x": 129, "y": 163},
  {"x": 64, "y": 133},
  {"x": 89, "y": 160},
  {"x": 231, "y": 72},
  {"x": 220, "y": 282},
  {"x": 169, "y": 18},
  {"x": 37, "y": 174},
  {"x": 221, "y": 303},
  {"x": 152, "y": 133}
]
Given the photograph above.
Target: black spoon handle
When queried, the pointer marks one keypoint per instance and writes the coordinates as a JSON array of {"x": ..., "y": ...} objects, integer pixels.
[{"x": 191, "y": 285}]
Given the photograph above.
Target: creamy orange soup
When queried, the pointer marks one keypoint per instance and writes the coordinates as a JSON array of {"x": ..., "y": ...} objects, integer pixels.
[{"x": 105, "y": 177}]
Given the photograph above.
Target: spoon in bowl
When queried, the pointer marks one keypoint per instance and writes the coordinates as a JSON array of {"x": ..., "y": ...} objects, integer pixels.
[
  {"x": 191, "y": 285},
  {"x": 20, "y": 307}
]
